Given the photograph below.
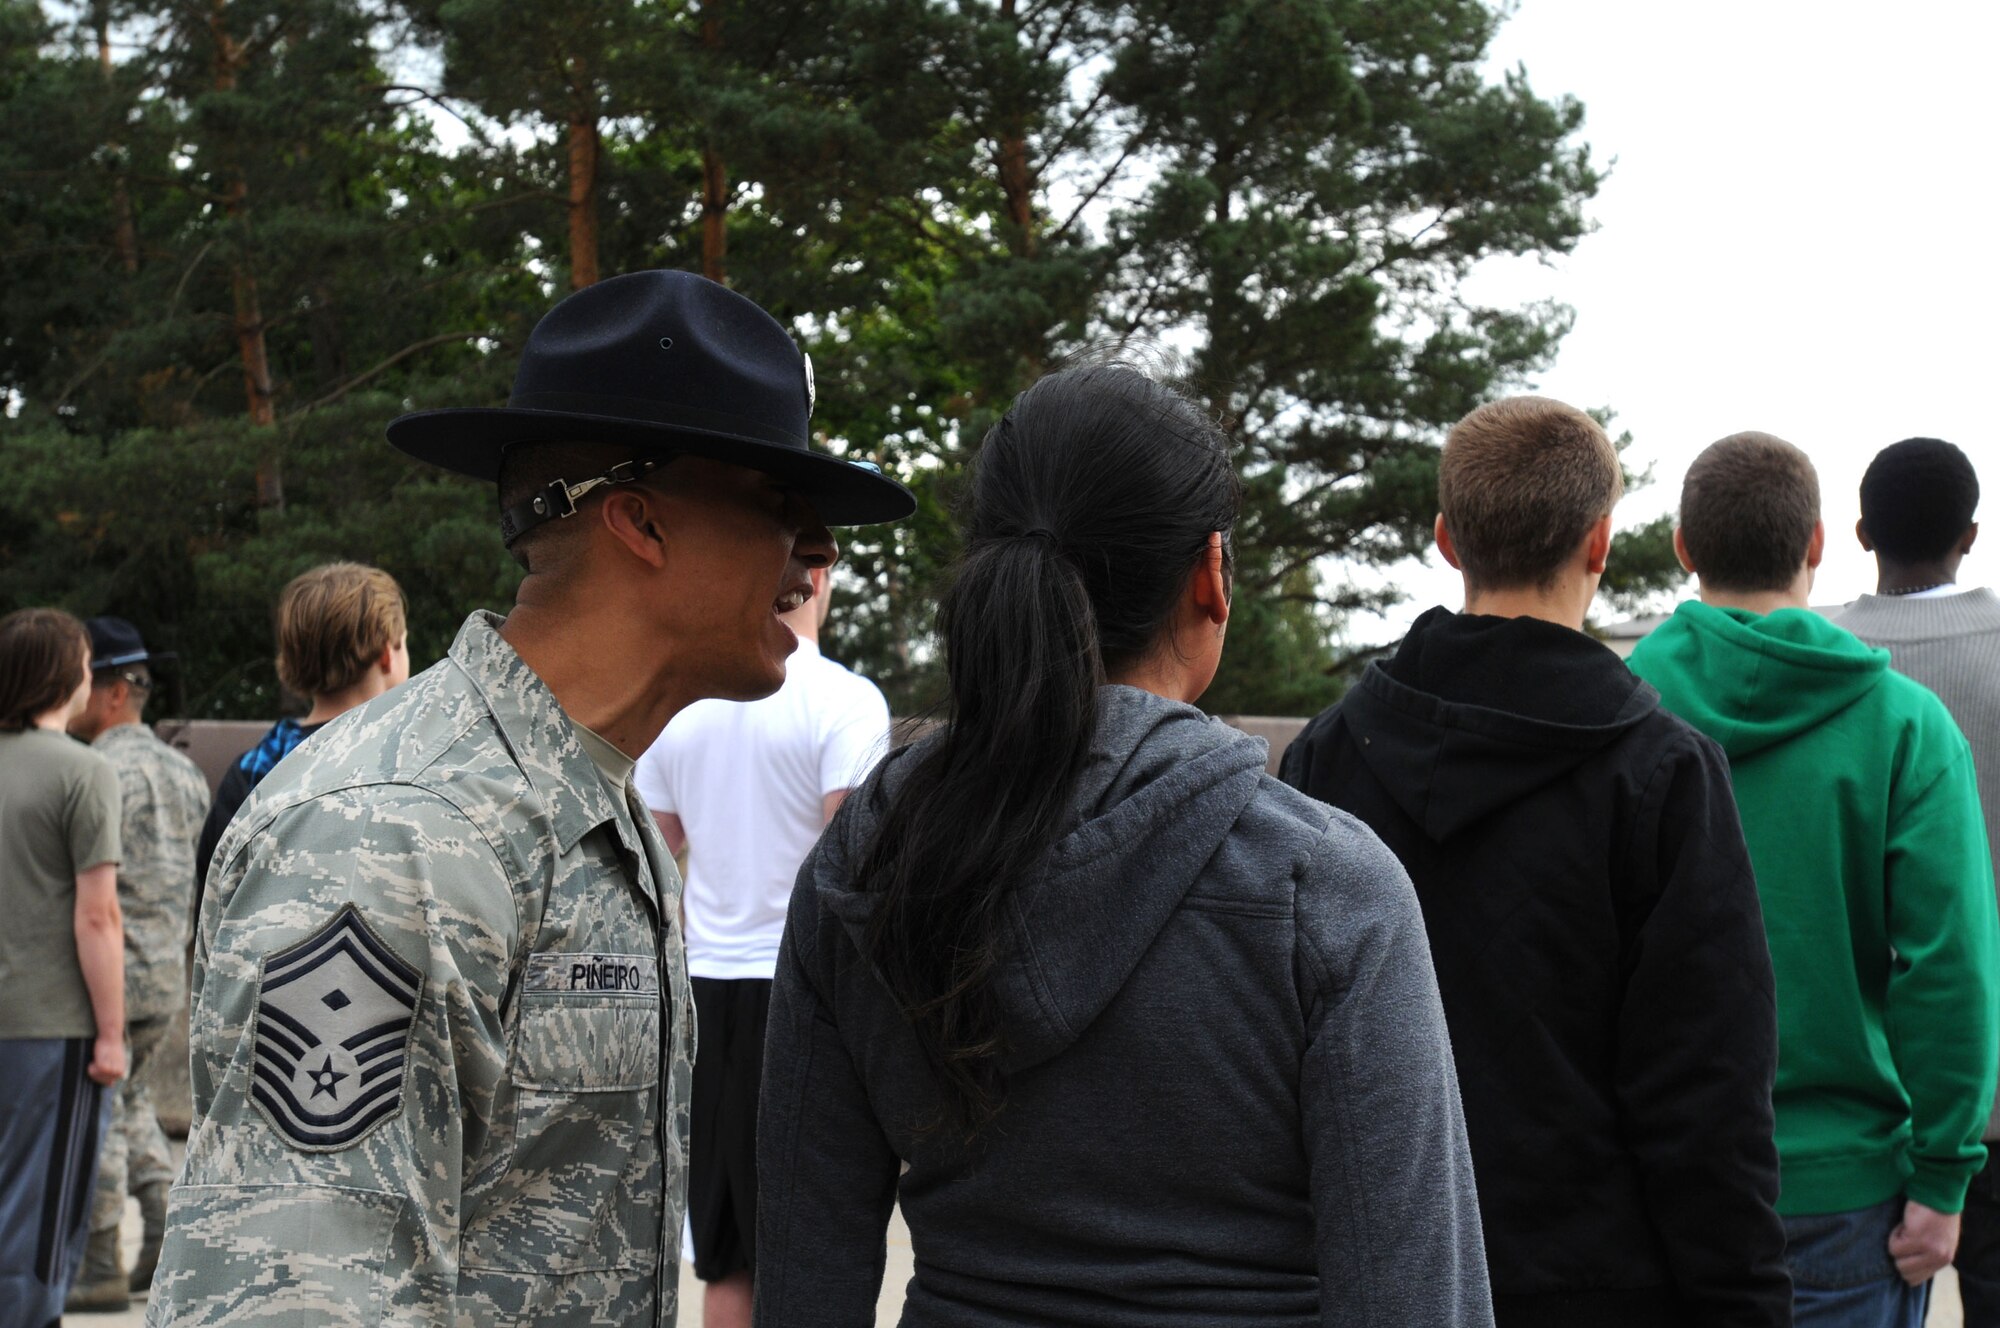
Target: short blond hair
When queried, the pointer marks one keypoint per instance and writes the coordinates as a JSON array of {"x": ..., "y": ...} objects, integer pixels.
[
  {"x": 333, "y": 622},
  {"x": 1520, "y": 483}
]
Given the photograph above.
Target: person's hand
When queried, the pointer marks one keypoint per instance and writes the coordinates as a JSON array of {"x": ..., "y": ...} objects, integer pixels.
[
  {"x": 107, "y": 1065},
  {"x": 1923, "y": 1243}
]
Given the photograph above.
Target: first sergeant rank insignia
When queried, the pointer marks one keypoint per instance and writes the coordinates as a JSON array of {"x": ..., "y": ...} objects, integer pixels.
[{"x": 334, "y": 1017}]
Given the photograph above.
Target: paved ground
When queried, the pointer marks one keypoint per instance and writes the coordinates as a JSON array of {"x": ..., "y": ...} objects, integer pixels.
[{"x": 1944, "y": 1304}]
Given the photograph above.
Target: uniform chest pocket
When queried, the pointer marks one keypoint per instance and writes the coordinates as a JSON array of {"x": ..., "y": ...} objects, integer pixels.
[
  {"x": 568, "y": 1044},
  {"x": 583, "y": 1189}
]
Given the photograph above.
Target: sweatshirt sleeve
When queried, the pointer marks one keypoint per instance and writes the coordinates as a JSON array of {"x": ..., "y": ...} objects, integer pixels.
[
  {"x": 1388, "y": 1165},
  {"x": 826, "y": 1176},
  {"x": 1698, "y": 1047},
  {"x": 1943, "y": 1008}
]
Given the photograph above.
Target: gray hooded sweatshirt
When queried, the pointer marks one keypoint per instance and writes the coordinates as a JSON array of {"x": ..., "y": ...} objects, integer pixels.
[{"x": 1229, "y": 1092}]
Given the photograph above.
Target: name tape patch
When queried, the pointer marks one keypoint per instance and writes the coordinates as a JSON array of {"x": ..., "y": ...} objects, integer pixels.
[{"x": 613, "y": 974}]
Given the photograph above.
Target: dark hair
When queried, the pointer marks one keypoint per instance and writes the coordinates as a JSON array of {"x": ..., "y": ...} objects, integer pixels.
[
  {"x": 528, "y": 468},
  {"x": 43, "y": 659},
  {"x": 1917, "y": 498},
  {"x": 1522, "y": 481},
  {"x": 1091, "y": 503},
  {"x": 1748, "y": 508}
]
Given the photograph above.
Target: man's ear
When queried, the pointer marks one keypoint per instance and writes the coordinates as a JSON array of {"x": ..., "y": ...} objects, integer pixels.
[
  {"x": 1861, "y": 534},
  {"x": 631, "y": 513},
  {"x": 1210, "y": 586},
  {"x": 1599, "y": 545},
  {"x": 1681, "y": 552},
  {"x": 1444, "y": 543},
  {"x": 1965, "y": 541},
  {"x": 1816, "y": 547}
]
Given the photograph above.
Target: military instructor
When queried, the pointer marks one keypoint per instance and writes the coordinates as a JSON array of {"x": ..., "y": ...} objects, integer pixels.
[{"x": 442, "y": 1037}]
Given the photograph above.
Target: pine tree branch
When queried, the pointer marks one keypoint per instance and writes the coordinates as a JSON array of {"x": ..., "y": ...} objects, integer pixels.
[{"x": 373, "y": 371}]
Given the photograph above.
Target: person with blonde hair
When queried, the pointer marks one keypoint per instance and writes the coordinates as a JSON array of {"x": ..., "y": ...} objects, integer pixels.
[
  {"x": 343, "y": 639},
  {"x": 62, "y": 961}
]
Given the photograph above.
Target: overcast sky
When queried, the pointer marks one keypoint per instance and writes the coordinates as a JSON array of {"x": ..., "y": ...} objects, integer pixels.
[{"x": 1796, "y": 236}]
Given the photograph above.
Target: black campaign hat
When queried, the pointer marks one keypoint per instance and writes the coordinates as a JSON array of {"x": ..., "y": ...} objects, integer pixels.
[
  {"x": 668, "y": 362},
  {"x": 115, "y": 642}
]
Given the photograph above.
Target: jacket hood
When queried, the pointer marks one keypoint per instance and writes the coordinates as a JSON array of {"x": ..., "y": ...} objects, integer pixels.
[
  {"x": 1475, "y": 713},
  {"x": 1753, "y": 680},
  {"x": 1162, "y": 788}
]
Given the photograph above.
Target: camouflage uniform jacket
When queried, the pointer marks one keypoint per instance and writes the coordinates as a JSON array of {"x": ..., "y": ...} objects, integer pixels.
[
  {"x": 165, "y": 800},
  {"x": 442, "y": 1037}
]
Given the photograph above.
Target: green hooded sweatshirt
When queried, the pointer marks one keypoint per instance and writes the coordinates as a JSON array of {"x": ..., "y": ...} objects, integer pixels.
[{"x": 1858, "y": 803}]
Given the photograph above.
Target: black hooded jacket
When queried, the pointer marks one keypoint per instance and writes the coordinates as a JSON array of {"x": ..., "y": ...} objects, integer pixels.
[{"x": 1598, "y": 942}]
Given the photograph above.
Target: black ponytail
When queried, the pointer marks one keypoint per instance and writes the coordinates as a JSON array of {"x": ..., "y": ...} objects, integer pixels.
[{"x": 1092, "y": 503}]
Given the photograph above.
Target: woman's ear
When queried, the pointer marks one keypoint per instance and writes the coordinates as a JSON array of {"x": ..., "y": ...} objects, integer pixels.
[{"x": 1211, "y": 582}]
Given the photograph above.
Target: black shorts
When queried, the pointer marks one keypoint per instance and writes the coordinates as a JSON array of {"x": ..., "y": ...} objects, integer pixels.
[{"x": 730, "y": 1014}]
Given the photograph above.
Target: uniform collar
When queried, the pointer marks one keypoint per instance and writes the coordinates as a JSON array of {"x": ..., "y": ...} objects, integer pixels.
[
  {"x": 121, "y": 733},
  {"x": 538, "y": 731}
]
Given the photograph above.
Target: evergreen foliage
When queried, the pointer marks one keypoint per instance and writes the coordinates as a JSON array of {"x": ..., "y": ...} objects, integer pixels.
[{"x": 236, "y": 236}]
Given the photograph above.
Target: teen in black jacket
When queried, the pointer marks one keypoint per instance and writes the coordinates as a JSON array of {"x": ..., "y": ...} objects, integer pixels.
[
  {"x": 1601, "y": 953},
  {"x": 1590, "y": 907}
]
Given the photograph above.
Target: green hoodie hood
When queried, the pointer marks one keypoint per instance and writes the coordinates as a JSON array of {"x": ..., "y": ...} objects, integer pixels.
[{"x": 1753, "y": 680}]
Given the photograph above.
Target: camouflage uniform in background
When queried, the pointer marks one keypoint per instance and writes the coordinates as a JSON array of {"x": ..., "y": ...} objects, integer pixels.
[
  {"x": 164, "y": 801},
  {"x": 442, "y": 1033}
]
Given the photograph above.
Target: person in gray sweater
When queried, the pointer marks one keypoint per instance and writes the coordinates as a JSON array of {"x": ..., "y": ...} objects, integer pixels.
[
  {"x": 1135, "y": 1034},
  {"x": 1918, "y": 500}
]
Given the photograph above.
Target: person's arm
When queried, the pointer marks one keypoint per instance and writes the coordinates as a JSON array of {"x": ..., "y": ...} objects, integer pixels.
[
  {"x": 672, "y": 831},
  {"x": 826, "y": 1176},
  {"x": 100, "y": 953},
  {"x": 1388, "y": 1164},
  {"x": 1697, "y": 1046},
  {"x": 229, "y": 797},
  {"x": 299, "y": 1223},
  {"x": 1943, "y": 1007}
]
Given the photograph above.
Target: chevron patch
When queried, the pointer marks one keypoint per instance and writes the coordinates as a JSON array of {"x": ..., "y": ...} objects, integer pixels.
[{"x": 334, "y": 1018}]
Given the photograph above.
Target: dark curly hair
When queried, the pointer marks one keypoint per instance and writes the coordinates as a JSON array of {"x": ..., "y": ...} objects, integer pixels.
[{"x": 1917, "y": 498}]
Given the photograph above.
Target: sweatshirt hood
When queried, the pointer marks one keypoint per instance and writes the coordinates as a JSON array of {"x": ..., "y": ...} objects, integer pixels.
[
  {"x": 1475, "y": 713},
  {"x": 1752, "y": 680},
  {"x": 1162, "y": 788}
]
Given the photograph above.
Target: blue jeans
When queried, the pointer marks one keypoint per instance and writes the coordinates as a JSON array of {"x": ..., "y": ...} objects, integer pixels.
[{"x": 1842, "y": 1275}]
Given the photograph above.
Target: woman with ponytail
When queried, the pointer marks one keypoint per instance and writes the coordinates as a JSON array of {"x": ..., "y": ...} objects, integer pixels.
[{"x": 1136, "y": 1034}]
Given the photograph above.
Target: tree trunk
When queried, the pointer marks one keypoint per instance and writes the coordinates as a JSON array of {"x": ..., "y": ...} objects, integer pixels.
[
  {"x": 329, "y": 347},
  {"x": 248, "y": 317},
  {"x": 1017, "y": 178},
  {"x": 124, "y": 229},
  {"x": 714, "y": 212},
  {"x": 584, "y": 147},
  {"x": 714, "y": 176}
]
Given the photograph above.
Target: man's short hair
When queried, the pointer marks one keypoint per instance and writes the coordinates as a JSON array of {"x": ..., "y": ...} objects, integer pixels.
[
  {"x": 1520, "y": 483},
  {"x": 42, "y": 663},
  {"x": 1917, "y": 499},
  {"x": 1748, "y": 508},
  {"x": 528, "y": 468},
  {"x": 333, "y": 623},
  {"x": 136, "y": 676}
]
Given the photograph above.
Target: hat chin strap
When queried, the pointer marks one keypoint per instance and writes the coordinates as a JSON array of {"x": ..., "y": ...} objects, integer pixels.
[{"x": 557, "y": 499}]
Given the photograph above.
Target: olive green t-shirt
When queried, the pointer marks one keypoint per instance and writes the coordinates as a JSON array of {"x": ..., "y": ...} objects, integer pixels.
[{"x": 59, "y": 812}]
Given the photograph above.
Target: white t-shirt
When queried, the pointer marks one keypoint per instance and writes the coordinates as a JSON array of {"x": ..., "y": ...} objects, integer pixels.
[{"x": 749, "y": 781}]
